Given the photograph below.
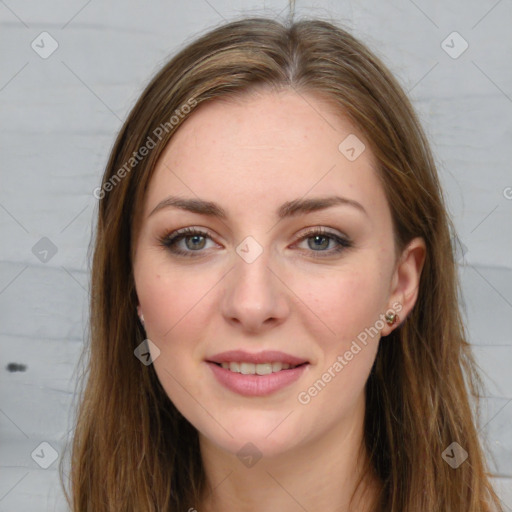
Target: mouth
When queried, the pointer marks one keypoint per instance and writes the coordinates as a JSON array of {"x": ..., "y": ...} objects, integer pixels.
[
  {"x": 247, "y": 368},
  {"x": 256, "y": 379},
  {"x": 257, "y": 374},
  {"x": 260, "y": 363}
]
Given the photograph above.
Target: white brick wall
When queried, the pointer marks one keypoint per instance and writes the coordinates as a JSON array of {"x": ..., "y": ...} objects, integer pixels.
[{"x": 60, "y": 115}]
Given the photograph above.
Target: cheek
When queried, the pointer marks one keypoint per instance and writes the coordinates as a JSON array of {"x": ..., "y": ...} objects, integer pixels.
[
  {"x": 175, "y": 306},
  {"x": 345, "y": 303},
  {"x": 350, "y": 307},
  {"x": 347, "y": 308},
  {"x": 171, "y": 300}
]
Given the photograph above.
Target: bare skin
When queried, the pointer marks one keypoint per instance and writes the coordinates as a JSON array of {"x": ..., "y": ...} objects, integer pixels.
[{"x": 251, "y": 156}]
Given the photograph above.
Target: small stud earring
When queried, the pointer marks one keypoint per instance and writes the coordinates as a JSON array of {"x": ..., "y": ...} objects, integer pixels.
[
  {"x": 141, "y": 317},
  {"x": 391, "y": 318}
]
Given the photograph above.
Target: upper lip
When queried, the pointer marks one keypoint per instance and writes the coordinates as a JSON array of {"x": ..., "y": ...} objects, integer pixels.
[{"x": 267, "y": 356}]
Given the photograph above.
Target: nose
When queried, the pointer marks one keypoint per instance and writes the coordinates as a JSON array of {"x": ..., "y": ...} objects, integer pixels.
[{"x": 255, "y": 298}]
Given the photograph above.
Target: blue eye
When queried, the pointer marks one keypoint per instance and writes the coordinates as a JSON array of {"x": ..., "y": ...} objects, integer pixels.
[
  {"x": 171, "y": 241},
  {"x": 320, "y": 239},
  {"x": 195, "y": 241}
]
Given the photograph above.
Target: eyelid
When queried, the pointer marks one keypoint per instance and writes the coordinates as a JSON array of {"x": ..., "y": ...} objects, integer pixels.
[
  {"x": 344, "y": 242},
  {"x": 324, "y": 231},
  {"x": 175, "y": 234}
]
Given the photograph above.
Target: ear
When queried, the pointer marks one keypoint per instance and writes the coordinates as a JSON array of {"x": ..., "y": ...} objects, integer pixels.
[{"x": 405, "y": 281}]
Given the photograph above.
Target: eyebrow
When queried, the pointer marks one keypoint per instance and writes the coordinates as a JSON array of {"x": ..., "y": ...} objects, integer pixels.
[{"x": 287, "y": 209}]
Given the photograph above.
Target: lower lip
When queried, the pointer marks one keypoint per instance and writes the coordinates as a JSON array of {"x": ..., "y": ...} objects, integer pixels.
[{"x": 256, "y": 385}]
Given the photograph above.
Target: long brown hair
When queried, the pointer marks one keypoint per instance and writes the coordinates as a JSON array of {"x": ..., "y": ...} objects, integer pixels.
[{"x": 132, "y": 450}]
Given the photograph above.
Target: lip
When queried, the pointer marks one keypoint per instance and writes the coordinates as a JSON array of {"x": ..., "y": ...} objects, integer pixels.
[
  {"x": 267, "y": 356},
  {"x": 256, "y": 385}
]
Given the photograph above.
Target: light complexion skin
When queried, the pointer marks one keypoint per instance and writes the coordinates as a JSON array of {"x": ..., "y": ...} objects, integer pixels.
[{"x": 300, "y": 296}]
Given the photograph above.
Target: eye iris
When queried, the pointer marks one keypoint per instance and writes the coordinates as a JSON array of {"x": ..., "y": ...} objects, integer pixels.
[
  {"x": 323, "y": 246},
  {"x": 195, "y": 237}
]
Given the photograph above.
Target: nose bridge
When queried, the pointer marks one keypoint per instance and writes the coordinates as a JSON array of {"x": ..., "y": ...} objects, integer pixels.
[{"x": 255, "y": 295}]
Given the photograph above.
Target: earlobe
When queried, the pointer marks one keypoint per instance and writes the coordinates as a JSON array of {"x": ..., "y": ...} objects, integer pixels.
[
  {"x": 141, "y": 316},
  {"x": 391, "y": 317},
  {"x": 406, "y": 280}
]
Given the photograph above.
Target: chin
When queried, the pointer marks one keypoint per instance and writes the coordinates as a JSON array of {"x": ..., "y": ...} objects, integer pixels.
[
  {"x": 255, "y": 437},
  {"x": 257, "y": 447}
]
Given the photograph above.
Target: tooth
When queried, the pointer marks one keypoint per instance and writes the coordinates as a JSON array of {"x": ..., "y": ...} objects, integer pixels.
[
  {"x": 264, "y": 368},
  {"x": 256, "y": 369},
  {"x": 234, "y": 367},
  {"x": 277, "y": 367},
  {"x": 247, "y": 368}
]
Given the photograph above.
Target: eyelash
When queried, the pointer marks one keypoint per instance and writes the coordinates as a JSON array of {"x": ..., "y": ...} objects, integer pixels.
[{"x": 169, "y": 241}]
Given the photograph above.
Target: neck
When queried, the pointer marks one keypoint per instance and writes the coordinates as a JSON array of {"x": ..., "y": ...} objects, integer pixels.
[{"x": 321, "y": 474}]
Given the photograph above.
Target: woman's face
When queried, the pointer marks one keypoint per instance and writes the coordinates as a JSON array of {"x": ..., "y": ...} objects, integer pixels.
[{"x": 261, "y": 277}]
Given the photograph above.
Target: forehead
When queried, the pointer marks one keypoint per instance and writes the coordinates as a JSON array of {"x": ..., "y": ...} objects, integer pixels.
[{"x": 260, "y": 150}]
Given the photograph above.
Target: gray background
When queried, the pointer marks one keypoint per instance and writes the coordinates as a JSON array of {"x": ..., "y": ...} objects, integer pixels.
[{"x": 59, "y": 117}]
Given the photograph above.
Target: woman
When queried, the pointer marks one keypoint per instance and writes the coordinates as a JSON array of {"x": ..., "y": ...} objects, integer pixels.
[{"x": 274, "y": 314}]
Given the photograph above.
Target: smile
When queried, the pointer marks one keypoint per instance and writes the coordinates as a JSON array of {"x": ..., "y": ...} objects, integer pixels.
[
  {"x": 256, "y": 369},
  {"x": 250, "y": 379}
]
